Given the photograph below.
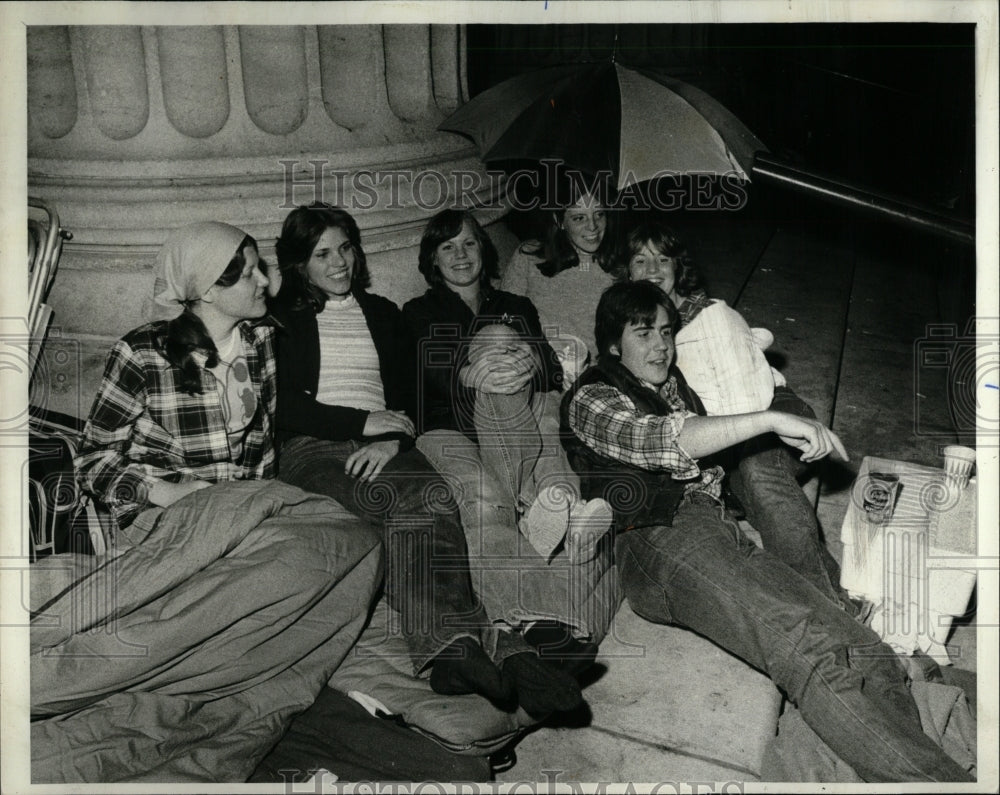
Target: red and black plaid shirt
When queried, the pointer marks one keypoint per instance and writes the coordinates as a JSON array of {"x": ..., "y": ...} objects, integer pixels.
[
  {"x": 143, "y": 427},
  {"x": 607, "y": 420}
]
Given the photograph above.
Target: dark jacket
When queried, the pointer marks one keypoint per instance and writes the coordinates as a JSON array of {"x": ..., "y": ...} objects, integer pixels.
[
  {"x": 639, "y": 497},
  {"x": 441, "y": 325},
  {"x": 299, "y": 413}
]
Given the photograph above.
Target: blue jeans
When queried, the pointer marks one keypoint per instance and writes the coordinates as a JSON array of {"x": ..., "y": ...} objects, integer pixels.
[
  {"x": 427, "y": 567},
  {"x": 765, "y": 481},
  {"x": 703, "y": 573},
  {"x": 519, "y": 445},
  {"x": 514, "y": 582}
]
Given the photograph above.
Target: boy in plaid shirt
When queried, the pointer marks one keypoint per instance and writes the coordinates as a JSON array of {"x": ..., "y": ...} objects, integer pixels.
[{"x": 629, "y": 431}]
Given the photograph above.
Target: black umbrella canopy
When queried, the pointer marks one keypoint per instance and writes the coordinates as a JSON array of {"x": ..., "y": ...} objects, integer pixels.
[
  {"x": 643, "y": 124},
  {"x": 577, "y": 120},
  {"x": 605, "y": 117}
]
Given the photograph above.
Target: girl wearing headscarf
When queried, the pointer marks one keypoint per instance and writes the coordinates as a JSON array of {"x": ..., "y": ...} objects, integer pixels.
[
  {"x": 227, "y": 599},
  {"x": 189, "y": 401}
]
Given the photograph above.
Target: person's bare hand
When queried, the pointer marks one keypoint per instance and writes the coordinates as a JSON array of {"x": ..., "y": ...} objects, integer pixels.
[
  {"x": 366, "y": 463},
  {"x": 812, "y": 437},
  {"x": 500, "y": 370},
  {"x": 380, "y": 422}
]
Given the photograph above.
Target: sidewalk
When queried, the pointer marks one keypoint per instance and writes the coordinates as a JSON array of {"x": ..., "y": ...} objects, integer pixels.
[{"x": 848, "y": 306}]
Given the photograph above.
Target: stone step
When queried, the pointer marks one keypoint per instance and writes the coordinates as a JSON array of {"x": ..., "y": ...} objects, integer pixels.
[{"x": 669, "y": 706}]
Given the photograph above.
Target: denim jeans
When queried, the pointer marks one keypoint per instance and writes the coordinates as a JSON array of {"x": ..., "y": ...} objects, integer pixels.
[
  {"x": 765, "y": 481},
  {"x": 515, "y": 584},
  {"x": 519, "y": 445},
  {"x": 427, "y": 574},
  {"x": 703, "y": 573}
]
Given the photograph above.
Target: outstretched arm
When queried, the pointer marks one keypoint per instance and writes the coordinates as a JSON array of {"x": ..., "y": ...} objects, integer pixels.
[
  {"x": 701, "y": 436},
  {"x": 608, "y": 422}
]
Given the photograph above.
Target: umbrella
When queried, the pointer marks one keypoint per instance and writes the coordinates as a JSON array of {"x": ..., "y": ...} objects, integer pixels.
[{"x": 635, "y": 124}]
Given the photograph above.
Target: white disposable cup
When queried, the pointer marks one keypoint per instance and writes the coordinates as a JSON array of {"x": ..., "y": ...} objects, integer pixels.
[{"x": 958, "y": 461}]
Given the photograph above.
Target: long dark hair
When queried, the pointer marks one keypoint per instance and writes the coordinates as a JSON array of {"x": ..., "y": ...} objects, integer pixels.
[
  {"x": 301, "y": 231},
  {"x": 664, "y": 239},
  {"x": 555, "y": 249},
  {"x": 444, "y": 226},
  {"x": 186, "y": 334},
  {"x": 627, "y": 303}
]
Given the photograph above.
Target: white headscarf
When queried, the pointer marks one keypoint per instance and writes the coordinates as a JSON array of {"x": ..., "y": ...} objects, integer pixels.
[{"x": 192, "y": 259}]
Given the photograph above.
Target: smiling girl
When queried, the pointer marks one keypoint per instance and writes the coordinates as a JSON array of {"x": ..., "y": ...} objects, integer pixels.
[
  {"x": 565, "y": 273},
  {"x": 486, "y": 367},
  {"x": 345, "y": 386}
]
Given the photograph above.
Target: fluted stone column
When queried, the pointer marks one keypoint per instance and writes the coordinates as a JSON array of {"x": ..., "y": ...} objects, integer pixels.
[{"x": 133, "y": 131}]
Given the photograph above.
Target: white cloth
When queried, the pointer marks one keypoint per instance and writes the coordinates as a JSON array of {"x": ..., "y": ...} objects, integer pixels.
[
  {"x": 914, "y": 565},
  {"x": 192, "y": 259},
  {"x": 722, "y": 361}
]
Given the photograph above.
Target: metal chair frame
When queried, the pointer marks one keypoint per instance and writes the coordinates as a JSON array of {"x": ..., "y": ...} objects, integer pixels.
[{"x": 45, "y": 242}]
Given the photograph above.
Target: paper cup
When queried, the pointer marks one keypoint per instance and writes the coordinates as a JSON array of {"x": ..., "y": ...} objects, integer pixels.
[{"x": 958, "y": 461}]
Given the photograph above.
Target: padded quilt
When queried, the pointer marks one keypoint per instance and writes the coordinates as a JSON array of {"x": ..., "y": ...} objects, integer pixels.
[
  {"x": 379, "y": 668},
  {"x": 184, "y": 655}
]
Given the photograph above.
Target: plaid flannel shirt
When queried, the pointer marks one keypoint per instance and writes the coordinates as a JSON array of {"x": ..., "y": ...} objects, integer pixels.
[
  {"x": 143, "y": 427},
  {"x": 608, "y": 422},
  {"x": 691, "y": 305}
]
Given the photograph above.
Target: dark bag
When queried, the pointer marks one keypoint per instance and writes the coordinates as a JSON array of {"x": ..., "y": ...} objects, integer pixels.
[
  {"x": 60, "y": 516},
  {"x": 338, "y": 735}
]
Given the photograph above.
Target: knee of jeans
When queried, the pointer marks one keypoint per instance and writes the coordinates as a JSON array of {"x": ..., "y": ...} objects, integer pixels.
[
  {"x": 842, "y": 658},
  {"x": 639, "y": 579},
  {"x": 786, "y": 400},
  {"x": 820, "y": 652},
  {"x": 492, "y": 335},
  {"x": 773, "y": 466},
  {"x": 876, "y": 660}
]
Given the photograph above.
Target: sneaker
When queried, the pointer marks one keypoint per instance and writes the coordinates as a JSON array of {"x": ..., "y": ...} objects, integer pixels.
[
  {"x": 588, "y": 522},
  {"x": 545, "y": 523}
]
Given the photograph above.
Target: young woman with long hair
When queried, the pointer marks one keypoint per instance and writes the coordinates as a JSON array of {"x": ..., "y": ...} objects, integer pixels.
[
  {"x": 235, "y": 596},
  {"x": 346, "y": 397}
]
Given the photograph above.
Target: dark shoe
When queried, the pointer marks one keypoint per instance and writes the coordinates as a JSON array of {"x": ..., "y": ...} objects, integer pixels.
[
  {"x": 542, "y": 688},
  {"x": 463, "y": 667},
  {"x": 555, "y": 643}
]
